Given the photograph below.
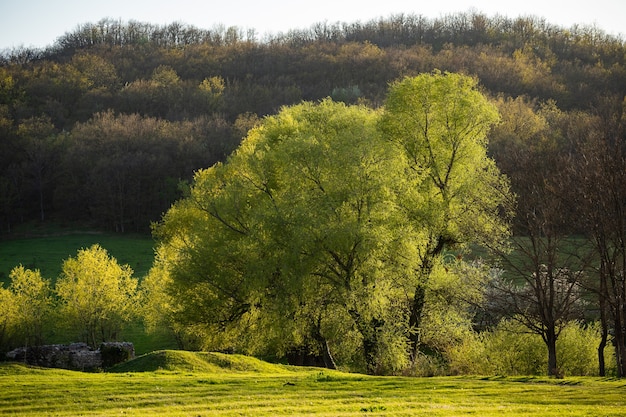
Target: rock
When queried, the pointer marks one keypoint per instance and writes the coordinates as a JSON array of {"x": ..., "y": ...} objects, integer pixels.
[
  {"x": 113, "y": 353},
  {"x": 75, "y": 356}
]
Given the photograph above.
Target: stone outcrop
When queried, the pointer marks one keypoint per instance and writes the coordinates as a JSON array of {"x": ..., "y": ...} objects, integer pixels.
[{"x": 76, "y": 356}]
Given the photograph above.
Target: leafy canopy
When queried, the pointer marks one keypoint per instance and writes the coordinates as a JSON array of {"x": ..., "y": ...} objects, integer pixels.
[
  {"x": 326, "y": 219},
  {"x": 96, "y": 294}
]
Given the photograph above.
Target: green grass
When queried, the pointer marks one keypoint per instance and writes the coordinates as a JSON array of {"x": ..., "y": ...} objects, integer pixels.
[
  {"x": 171, "y": 383},
  {"x": 46, "y": 250}
]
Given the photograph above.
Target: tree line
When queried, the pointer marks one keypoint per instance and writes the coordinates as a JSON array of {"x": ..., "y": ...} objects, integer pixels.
[{"x": 209, "y": 86}]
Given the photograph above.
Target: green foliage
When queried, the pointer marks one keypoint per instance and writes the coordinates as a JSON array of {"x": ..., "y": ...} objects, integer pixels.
[
  {"x": 509, "y": 349},
  {"x": 577, "y": 350},
  {"x": 97, "y": 296},
  {"x": 26, "y": 309},
  {"x": 138, "y": 107},
  {"x": 326, "y": 218},
  {"x": 185, "y": 74},
  {"x": 440, "y": 121},
  {"x": 7, "y": 316},
  {"x": 296, "y": 223}
]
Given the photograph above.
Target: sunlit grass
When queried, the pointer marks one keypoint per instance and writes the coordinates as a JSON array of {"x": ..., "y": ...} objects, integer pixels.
[{"x": 224, "y": 385}]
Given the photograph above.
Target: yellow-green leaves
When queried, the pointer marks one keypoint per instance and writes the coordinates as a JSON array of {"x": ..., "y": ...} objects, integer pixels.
[
  {"x": 97, "y": 295},
  {"x": 26, "y": 305},
  {"x": 329, "y": 216},
  {"x": 440, "y": 121}
]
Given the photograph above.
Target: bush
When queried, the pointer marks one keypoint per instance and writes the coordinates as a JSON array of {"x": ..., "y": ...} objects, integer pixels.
[
  {"x": 509, "y": 349},
  {"x": 577, "y": 350}
]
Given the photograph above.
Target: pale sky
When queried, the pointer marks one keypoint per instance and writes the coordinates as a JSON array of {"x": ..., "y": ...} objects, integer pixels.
[{"x": 38, "y": 23}]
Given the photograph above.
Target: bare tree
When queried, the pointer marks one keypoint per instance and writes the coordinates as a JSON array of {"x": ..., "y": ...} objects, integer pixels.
[
  {"x": 600, "y": 173},
  {"x": 539, "y": 286}
]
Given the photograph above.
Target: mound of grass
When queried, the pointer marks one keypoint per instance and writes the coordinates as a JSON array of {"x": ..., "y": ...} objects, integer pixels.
[{"x": 199, "y": 362}]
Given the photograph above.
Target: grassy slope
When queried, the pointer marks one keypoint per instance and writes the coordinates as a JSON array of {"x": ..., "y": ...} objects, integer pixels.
[{"x": 186, "y": 384}]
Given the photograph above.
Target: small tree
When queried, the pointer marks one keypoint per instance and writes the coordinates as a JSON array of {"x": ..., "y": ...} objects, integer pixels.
[
  {"x": 31, "y": 299},
  {"x": 7, "y": 314},
  {"x": 97, "y": 295},
  {"x": 544, "y": 302}
]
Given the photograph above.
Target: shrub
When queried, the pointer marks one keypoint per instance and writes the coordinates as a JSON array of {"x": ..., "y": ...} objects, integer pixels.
[{"x": 510, "y": 350}]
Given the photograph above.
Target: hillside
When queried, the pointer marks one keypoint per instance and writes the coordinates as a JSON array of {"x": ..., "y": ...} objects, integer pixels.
[{"x": 105, "y": 125}]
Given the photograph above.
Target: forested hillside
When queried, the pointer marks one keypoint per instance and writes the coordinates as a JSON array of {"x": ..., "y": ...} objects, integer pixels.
[{"x": 103, "y": 126}]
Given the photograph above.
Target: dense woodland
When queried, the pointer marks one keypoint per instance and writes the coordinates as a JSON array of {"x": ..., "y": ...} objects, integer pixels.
[
  {"x": 103, "y": 125},
  {"x": 107, "y": 126}
]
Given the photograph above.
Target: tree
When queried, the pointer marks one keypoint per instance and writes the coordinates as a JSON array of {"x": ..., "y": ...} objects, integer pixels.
[
  {"x": 541, "y": 284},
  {"x": 97, "y": 295},
  {"x": 454, "y": 194},
  {"x": 7, "y": 314},
  {"x": 321, "y": 219},
  {"x": 600, "y": 175},
  {"x": 124, "y": 168},
  {"x": 296, "y": 227},
  {"x": 28, "y": 306}
]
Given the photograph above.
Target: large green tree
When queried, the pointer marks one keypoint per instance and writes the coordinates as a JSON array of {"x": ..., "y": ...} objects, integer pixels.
[
  {"x": 320, "y": 225},
  {"x": 298, "y": 227}
]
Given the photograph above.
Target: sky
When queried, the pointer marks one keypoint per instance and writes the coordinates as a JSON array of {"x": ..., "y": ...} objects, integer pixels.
[{"x": 38, "y": 23}]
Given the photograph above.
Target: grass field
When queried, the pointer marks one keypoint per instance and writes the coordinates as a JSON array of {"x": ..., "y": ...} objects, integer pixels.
[
  {"x": 172, "y": 383},
  {"x": 46, "y": 249}
]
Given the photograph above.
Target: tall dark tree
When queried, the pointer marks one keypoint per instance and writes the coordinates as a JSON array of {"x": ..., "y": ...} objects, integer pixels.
[
  {"x": 600, "y": 174},
  {"x": 541, "y": 283}
]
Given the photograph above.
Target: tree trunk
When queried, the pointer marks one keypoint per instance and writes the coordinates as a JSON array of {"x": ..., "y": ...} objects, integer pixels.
[
  {"x": 369, "y": 333},
  {"x": 433, "y": 250},
  {"x": 415, "y": 320},
  {"x": 601, "y": 346},
  {"x": 327, "y": 357},
  {"x": 329, "y": 361},
  {"x": 620, "y": 348},
  {"x": 604, "y": 330},
  {"x": 550, "y": 340},
  {"x": 369, "y": 350}
]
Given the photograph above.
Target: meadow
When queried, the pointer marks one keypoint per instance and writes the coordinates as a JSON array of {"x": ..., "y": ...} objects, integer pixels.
[
  {"x": 175, "y": 383},
  {"x": 46, "y": 247}
]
